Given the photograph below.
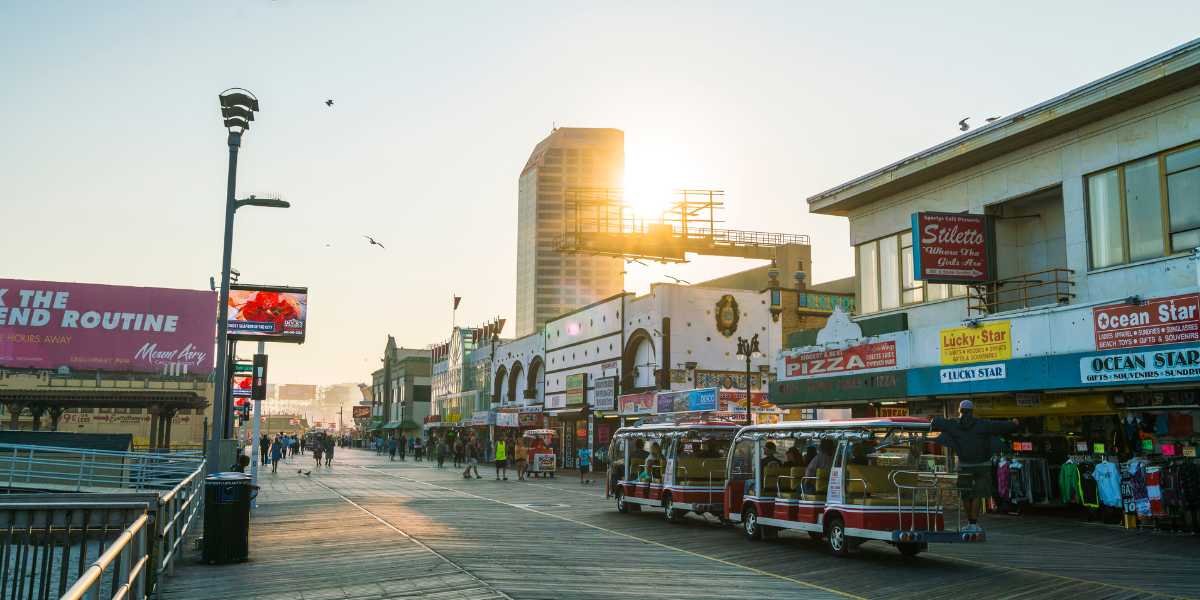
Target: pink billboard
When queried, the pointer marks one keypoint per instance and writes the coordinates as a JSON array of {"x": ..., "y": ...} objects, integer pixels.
[{"x": 48, "y": 324}]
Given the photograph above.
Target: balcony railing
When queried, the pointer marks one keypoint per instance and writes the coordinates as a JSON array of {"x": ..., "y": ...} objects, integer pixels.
[{"x": 1029, "y": 290}]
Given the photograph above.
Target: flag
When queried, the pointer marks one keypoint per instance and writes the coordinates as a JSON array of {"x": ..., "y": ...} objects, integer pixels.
[{"x": 457, "y": 299}]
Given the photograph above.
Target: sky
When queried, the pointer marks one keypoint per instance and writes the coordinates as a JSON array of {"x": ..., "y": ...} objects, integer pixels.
[{"x": 113, "y": 157}]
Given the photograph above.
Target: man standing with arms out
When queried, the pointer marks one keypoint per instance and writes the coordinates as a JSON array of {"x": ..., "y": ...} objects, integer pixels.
[{"x": 972, "y": 440}]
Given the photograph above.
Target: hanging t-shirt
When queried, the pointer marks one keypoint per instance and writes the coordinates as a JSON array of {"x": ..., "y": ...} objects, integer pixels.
[
  {"x": 1091, "y": 495},
  {"x": 1069, "y": 485},
  {"x": 1108, "y": 482}
]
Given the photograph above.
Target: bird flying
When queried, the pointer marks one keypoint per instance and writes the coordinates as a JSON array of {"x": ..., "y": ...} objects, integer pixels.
[
  {"x": 329, "y": 102},
  {"x": 990, "y": 119},
  {"x": 678, "y": 280},
  {"x": 962, "y": 125},
  {"x": 374, "y": 242}
]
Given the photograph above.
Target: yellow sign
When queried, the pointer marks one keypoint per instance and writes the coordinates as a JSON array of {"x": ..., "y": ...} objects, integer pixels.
[{"x": 989, "y": 341}]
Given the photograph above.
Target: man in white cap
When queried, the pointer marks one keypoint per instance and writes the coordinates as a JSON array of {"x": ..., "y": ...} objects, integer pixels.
[{"x": 972, "y": 439}]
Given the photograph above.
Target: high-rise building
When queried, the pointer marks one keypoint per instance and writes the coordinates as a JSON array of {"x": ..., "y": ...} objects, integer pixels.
[{"x": 550, "y": 283}]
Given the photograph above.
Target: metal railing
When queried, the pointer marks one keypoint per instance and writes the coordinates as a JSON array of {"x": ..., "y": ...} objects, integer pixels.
[
  {"x": 57, "y": 469},
  {"x": 133, "y": 541},
  {"x": 1028, "y": 290},
  {"x": 930, "y": 494}
]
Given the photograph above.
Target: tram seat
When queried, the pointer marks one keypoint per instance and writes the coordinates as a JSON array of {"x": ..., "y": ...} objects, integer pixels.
[
  {"x": 697, "y": 471},
  {"x": 771, "y": 477},
  {"x": 789, "y": 485},
  {"x": 635, "y": 467},
  {"x": 879, "y": 489},
  {"x": 821, "y": 487}
]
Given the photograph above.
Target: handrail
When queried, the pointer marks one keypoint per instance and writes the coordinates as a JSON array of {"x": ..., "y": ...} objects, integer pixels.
[
  {"x": 77, "y": 469},
  {"x": 91, "y": 576}
]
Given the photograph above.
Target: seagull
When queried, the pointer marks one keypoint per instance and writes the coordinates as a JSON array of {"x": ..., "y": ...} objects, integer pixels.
[
  {"x": 990, "y": 119},
  {"x": 374, "y": 242},
  {"x": 678, "y": 280},
  {"x": 962, "y": 125},
  {"x": 635, "y": 260},
  {"x": 329, "y": 102}
]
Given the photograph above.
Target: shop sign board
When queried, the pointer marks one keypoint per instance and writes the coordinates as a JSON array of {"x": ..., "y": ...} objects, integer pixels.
[
  {"x": 687, "y": 401},
  {"x": 870, "y": 386},
  {"x": 1133, "y": 367},
  {"x": 556, "y": 401},
  {"x": 529, "y": 419},
  {"x": 576, "y": 388},
  {"x": 47, "y": 325},
  {"x": 816, "y": 362},
  {"x": 973, "y": 373},
  {"x": 604, "y": 393},
  {"x": 483, "y": 417},
  {"x": 953, "y": 247},
  {"x": 987, "y": 342},
  {"x": 507, "y": 419},
  {"x": 1172, "y": 320},
  {"x": 643, "y": 403},
  {"x": 361, "y": 412},
  {"x": 531, "y": 408}
]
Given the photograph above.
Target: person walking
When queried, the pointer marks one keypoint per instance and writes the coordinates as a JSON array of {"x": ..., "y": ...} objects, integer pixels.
[
  {"x": 392, "y": 448},
  {"x": 473, "y": 449},
  {"x": 501, "y": 459},
  {"x": 585, "y": 464},
  {"x": 521, "y": 456},
  {"x": 974, "y": 441},
  {"x": 276, "y": 454},
  {"x": 458, "y": 451},
  {"x": 317, "y": 450},
  {"x": 442, "y": 450},
  {"x": 264, "y": 448},
  {"x": 302, "y": 444},
  {"x": 418, "y": 449},
  {"x": 402, "y": 446},
  {"x": 329, "y": 450}
]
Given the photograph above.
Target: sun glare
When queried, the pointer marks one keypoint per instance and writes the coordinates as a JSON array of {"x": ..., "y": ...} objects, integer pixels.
[{"x": 653, "y": 172}]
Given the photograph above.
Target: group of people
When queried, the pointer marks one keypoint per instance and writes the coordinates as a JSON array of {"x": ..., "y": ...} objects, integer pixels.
[{"x": 285, "y": 446}]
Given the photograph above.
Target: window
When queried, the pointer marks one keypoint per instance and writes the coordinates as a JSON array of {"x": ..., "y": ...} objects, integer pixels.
[
  {"x": 1133, "y": 217},
  {"x": 887, "y": 279}
]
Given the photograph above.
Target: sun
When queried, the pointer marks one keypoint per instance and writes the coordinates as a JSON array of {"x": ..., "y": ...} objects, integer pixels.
[{"x": 654, "y": 170}]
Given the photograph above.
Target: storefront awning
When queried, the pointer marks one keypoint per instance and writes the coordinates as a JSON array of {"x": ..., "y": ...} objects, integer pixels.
[
  {"x": 375, "y": 424},
  {"x": 392, "y": 425}
]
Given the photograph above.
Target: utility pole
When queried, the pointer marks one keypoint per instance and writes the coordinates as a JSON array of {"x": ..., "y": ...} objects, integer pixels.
[{"x": 254, "y": 442}]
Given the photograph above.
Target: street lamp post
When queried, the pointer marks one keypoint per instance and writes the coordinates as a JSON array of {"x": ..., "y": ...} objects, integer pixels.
[
  {"x": 748, "y": 349},
  {"x": 237, "y": 111}
]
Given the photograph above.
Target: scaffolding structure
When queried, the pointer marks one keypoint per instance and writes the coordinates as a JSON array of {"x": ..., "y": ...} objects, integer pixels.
[{"x": 597, "y": 221}]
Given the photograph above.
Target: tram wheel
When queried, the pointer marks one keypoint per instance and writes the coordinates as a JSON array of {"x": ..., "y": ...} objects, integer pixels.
[
  {"x": 835, "y": 536},
  {"x": 622, "y": 507},
  {"x": 750, "y": 525},
  {"x": 673, "y": 515},
  {"x": 911, "y": 548}
]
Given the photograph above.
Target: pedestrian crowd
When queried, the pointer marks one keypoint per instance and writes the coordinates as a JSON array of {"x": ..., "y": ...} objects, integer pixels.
[{"x": 285, "y": 447}]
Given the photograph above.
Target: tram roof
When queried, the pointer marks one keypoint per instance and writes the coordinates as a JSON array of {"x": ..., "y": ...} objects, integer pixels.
[
  {"x": 681, "y": 426},
  {"x": 916, "y": 423}
]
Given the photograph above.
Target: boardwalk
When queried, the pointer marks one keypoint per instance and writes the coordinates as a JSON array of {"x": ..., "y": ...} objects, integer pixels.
[{"x": 368, "y": 528}]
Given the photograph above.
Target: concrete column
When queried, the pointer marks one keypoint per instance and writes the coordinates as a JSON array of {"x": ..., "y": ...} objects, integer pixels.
[
  {"x": 37, "y": 410},
  {"x": 55, "y": 414},
  {"x": 154, "y": 419},
  {"x": 14, "y": 410},
  {"x": 167, "y": 416}
]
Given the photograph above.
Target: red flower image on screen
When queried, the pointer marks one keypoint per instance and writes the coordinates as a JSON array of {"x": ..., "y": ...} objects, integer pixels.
[{"x": 267, "y": 312}]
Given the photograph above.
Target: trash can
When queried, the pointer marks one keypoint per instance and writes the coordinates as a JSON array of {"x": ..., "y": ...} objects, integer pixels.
[{"x": 226, "y": 518}]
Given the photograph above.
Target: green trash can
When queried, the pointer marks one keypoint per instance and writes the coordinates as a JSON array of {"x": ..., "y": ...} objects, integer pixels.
[{"x": 226, "y": 518}]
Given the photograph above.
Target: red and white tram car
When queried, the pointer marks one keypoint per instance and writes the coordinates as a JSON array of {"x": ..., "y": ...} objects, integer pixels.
[
  {"x": 679, "y": 467},
  {"x": 845, "y": 481}
]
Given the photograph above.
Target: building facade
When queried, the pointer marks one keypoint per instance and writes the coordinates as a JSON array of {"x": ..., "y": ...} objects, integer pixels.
[
  {"x": 1087, "y": 208},
  {"x": 401, "y": 390},
  {"x": 550, "y": 283}
]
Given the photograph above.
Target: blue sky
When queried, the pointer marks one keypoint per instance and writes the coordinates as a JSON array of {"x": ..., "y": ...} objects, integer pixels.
[{"x": 112, "y": 164}]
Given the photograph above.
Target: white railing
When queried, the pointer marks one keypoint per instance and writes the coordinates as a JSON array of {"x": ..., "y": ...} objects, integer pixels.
[
  {"x": 132, "y": 545},
  {"x": 57, "y": 469}
]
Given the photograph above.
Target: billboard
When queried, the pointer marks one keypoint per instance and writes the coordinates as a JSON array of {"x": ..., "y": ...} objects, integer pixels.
[
  {"x": 953, "y": 247},
  {"x": 828, "y": 362},
  {"x": 643, "y": 403},
  {"x": 576, "y": 388},
  {"x": 990, "y": 341},
  {"x": 276, "y": 314},
  {"x": 47, "y": 325},
  {"x": 687, "y": 401},
  {"x": 241, "y": 383},
  {"x": 361, "y": 412}
]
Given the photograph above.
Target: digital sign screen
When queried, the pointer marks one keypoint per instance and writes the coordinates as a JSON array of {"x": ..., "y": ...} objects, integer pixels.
[{"x": 275, "y": 314}]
